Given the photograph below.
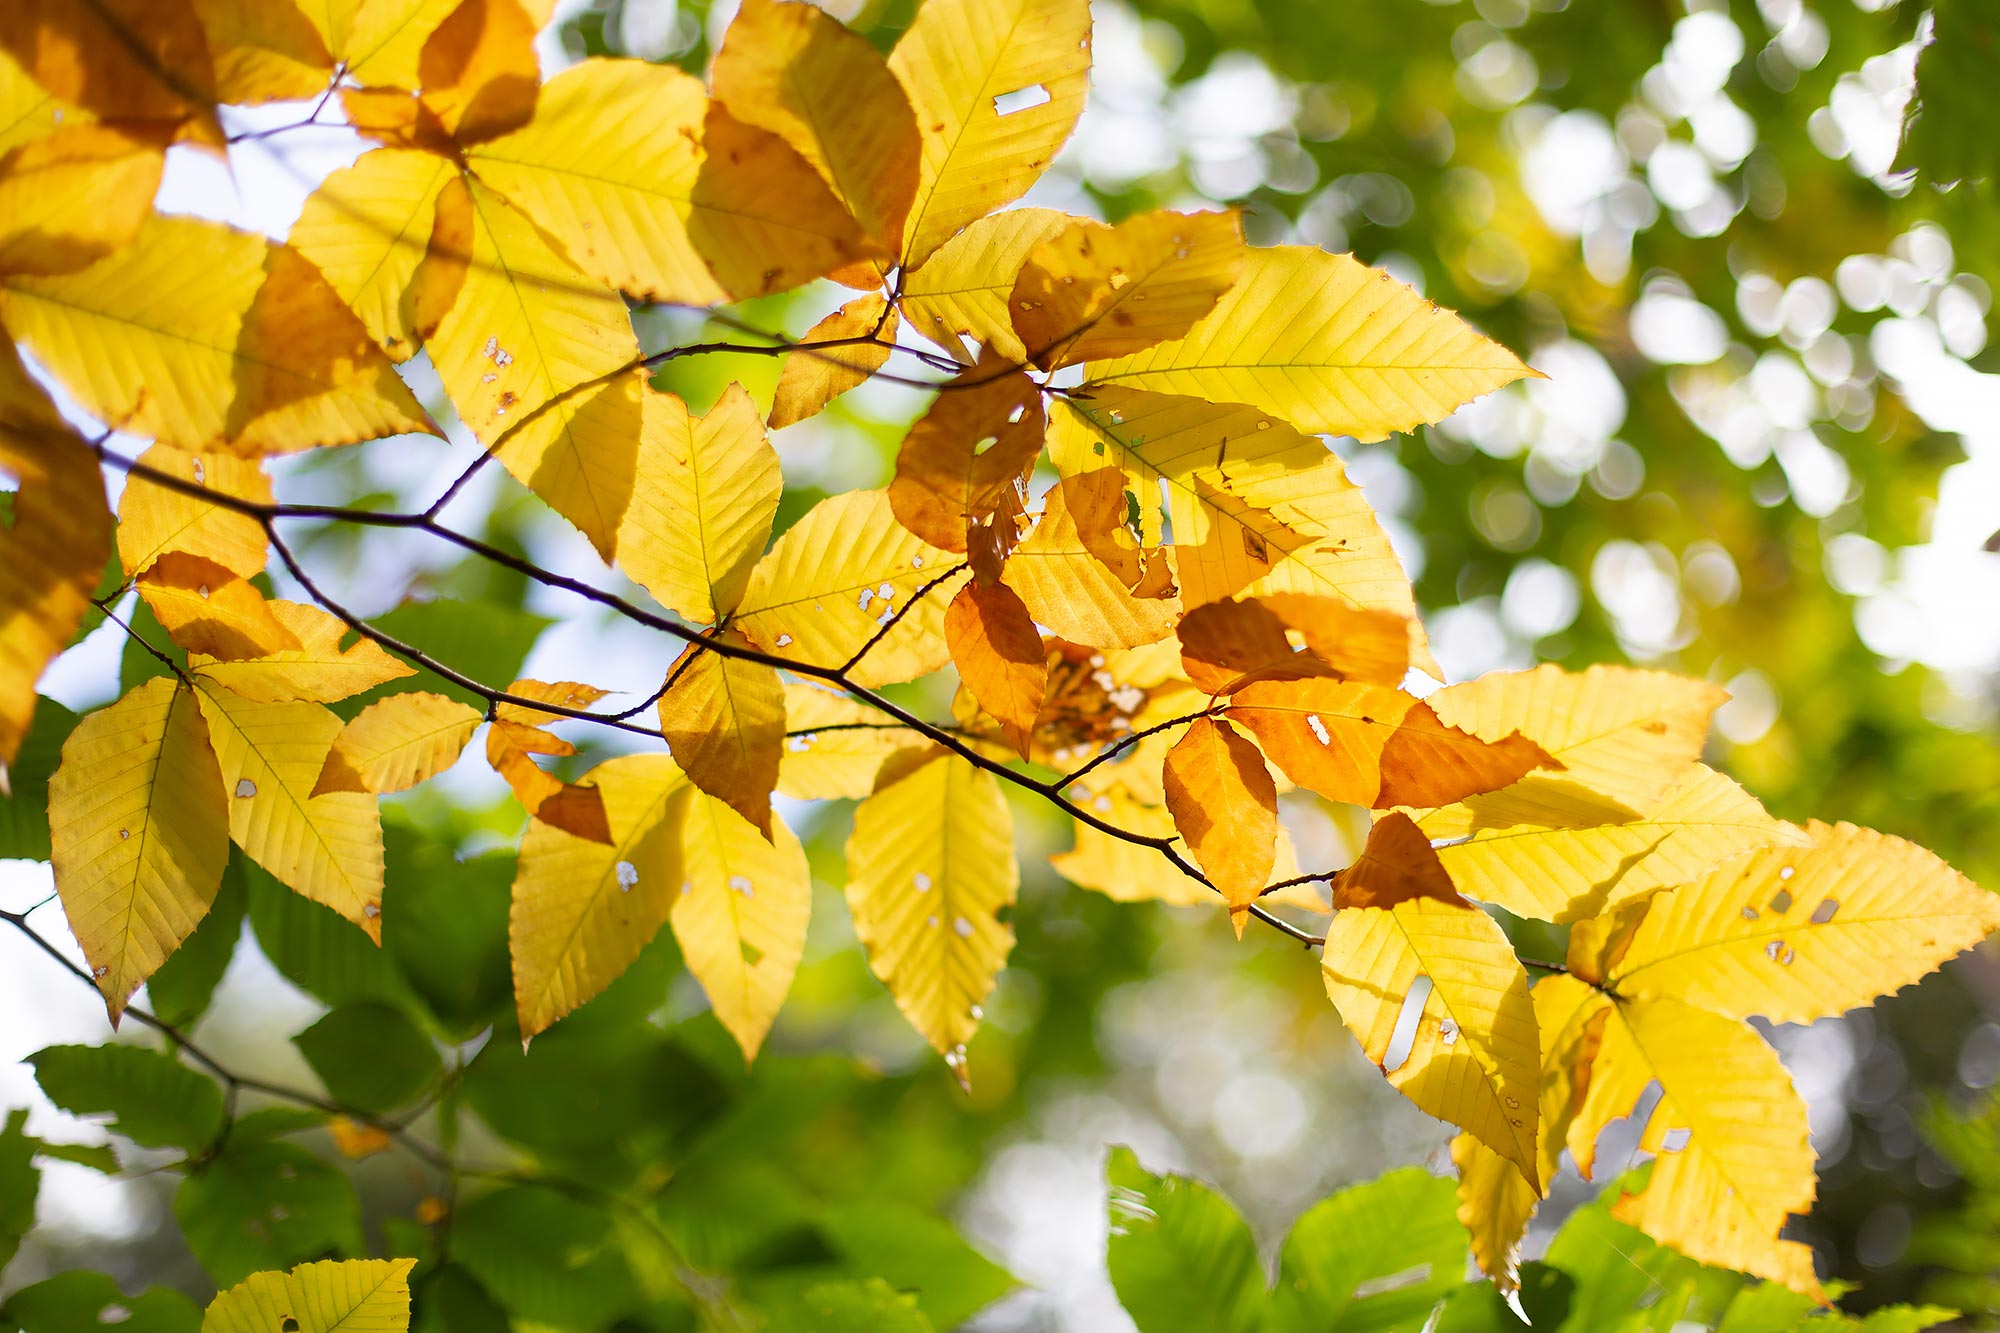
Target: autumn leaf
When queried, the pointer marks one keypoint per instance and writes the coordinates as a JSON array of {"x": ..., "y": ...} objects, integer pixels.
[
  {"x": 1799, "y": 933},
  {"x": 209, "y": 609},
  {"x": 794, "y": 70},
  {"x": 332, "y": 1296},
  {"x": 367, "y": 228},
  {"x": 319, "y": 668},
  {"x": 1226, "y": 806},
  {"x": 379, "y": 41},
  {"x": 930, "y": 870},
  {"x": 834, "y": 746},
  {"x": 999, "y": 655},
  {"x": 140, "y": 828},
  {"x": 396, "y": 743},
  {"x": 264, "y": 51},
  {"x": 516, "y": 737},
  {"x": 200, "y": 335},
  {"x": 1092, "y": 292},
  {"x": 583, "y": 909},
  {"x": 1074, "y": 593},
  {"x": 328, "y": 848},
  {"x": 1438, "y": 1001},
  {"x": 963, "y": 467},
  {"x": 154, "y": 519},
  {"x": 478, "y": 70},
  {"x": 75, "y": 196},
  {"x": 842, "y": 583},
  {"x": 1396, "y": 866},
  {"x": 1354, "y": 353},
  {"x": 962, "y": 290},
  {"x": 741, "y": 916},
  {"x": 120, "y": 60},
  {"x": 815, "y": 375},
  {"x": 724, "y": 719},
  {"x": 705, "y": 489},
  {"x": 1495, "y": 1202},
  {"x": 1229, "y": 644},
  {"x": 997, "y": 86}
]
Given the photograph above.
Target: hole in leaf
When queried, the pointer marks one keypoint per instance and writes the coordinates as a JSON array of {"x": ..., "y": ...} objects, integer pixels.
[
  {"x": 1782, "y": 901},
  {"x": 290, "y": 1325},
  {"x": 1404, "y": 1037},
  {"x": 1824, "y": 912},
  {"x": 1675, "y": 1139},
  {"x": 1021, "y": 99},
  {"x": 752, "y": 955}
]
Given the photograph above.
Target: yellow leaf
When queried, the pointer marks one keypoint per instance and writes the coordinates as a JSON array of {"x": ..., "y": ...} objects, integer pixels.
[
  {"x": 126, "y": 60},
  {"x": 580, "y": 454},
  {"x": 1547, "y": 848},
  {"x": 999, "y": 656},
  {"x": 1571, "y": 1014},
  {"x": 562, "y": 693},
  {"x": 1448, "y": 974},
  {"x": 52, "y": 553},
  {"x": 703, "y": 497},
  {"x": 930, "y": 866},
  {"x": 71, "y": 198},
  {"x": 834, "y": 746},
  {"x": 265, "y": 51},
  {"x": 575, "y": 808},
  {"x": 962, "y": 289},
  {"x": 478, "y": 70},
  {"x": 741, "y": 916},
  {"x": 997, "y": 86},
  {"x": 654, "y": 190},
  {"x": 397, "y": 742},
  {"x": 1266, "y": 508},
  {"x": 794, "y": 70},
  {"x": 210, "y": 609},
  {"x": 964, "y": 465},
  {"x": 153, "y": 520},
  {"x": 583, "y": 910},
  {"x": 1091, "y": 292},
  {"x": 813, "y": 378},
  {"x": 367, "y": 227},
  {"x": 1226, "y": 806},
  {"x": 825, "y": 589},
  {"x": 332, "y": 1296},
  {"x": 1495, "y": 1202},
  {"x": 1071, "y": 591},
  {"x": 28, "y": 110},
  {"x": 199, "y": 334},
  {"x": 140, "y": 831},
  {"x": 526, "y": 326},
  {"x": 1799, "y": 933},
  {"x": 1624, "y": 733},
  {"x": 1331, "y": 345},
  {"x": 328, "y": 848},
  {"x": 380, "y": 41},
  {"x": 724, "y": 720},
  {"x": 319, "y": 669},
  {"x": 1733, "y": 1157},
  {"x": 1372, "y": 746}
]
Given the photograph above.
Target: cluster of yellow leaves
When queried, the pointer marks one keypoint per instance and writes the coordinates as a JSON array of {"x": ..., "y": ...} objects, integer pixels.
[{"x": 1199, "y": 615}]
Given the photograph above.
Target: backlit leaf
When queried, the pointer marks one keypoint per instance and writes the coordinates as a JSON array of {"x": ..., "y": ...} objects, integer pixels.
[
  {"x": 999, "y": 655},
  {"x": 834, "y": 745},
  {"x": 1495, "y": 1202},
  {"x": 964, "y": 464},
  {"x": 71, "y": 198},
  {"x": 1799, "y": 933},
  {"x": 1438, "y": 1001},
  {"x": 264, "y": 51},
  {"x": 210, "y": 609},
  {"x": 741, "y": 915},
  {"x": 396, "y": 743},
  {"x": 1226, "y": 806},
  {"x": 930, "y": 872},
  {"x": 478, "y": 69},
  {"x": 724, "y": 720},
  {"x": 139, "y": 825},
  {"x": 962, "y": 289},
  {"x": 997, "y": 86},
  {"x": 812, "y": 377},
  {"x": 1327, "y": 343},
  {"x": 1396, "y": 865},
  {"x": 1072, "y": 592},
  {"x": 319, "y": 669},
  {"x": 155, "y": 519},
  {"x": 199, "y": 334},
  {"x": 367, "y": 228},
  {"x": 129, "y": 60},
  {"x": 352, "y": 1296}
]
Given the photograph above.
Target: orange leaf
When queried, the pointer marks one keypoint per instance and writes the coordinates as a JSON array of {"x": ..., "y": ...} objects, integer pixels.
[
  {"x": 1096, "y": 501},
  {"x": 479, "y": 71},
  {"x": 965, "y": 465},
  {"x": 122, "y": 60},
  {"x": 1396, "y": 865},
  {"x": 724, "y": 720},
  {"x": 208, "y": 608},
  {"x": 1222, "y": 642},
  {"x": 1225, "y": 805},
  {"x": 999, "y": 655}
]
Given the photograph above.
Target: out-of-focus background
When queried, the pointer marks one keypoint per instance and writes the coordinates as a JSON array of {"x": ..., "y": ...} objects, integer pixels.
[{"x": 1767, "y": 452}]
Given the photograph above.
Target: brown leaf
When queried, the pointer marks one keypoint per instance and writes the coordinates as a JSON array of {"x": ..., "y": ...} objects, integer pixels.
[
  {"x": 479, "y": 71},
  {"x": 511, "y": 748},
  {"x": 724, "y": 720},
  {"x": 1226, "y": 645},
  {"x": 1396, "y": 866},
  {"x": 1225, "y": 804},
  {"x": 1000, "y": 656},
  {"x": 965, "y": 465},
  {"x": 1096, "y": 502}
]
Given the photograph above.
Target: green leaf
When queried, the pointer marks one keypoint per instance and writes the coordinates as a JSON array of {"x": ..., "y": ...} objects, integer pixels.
[
  {"x": 450, "y": 1300},
  {"x": 24, "y": 815},
  {"x": 1766, "y": 1307},
  {"x": 358, "y": 1296},
  {"x": 370, "y": 1056},
  {"x": 19, "y": 1184},
  {"x": 1906, "y": 1318},
  {"x": 1181, "y": 1256},
  {"x": 917, "y": 1251},
  {"x": 180, "y": 991},
  {"x": 274, "y": 1122},
  {"x": 154, "y": 1099},
  {"x": 97, "y": 1156},
  {"x": 1375, "y": 1257},
  {"x": 548, "y": 1258},
  {"x": 445, "y": 927},
  {"x": 848, "y": 1307},
  {"x": 266, "y": 1205},
  {"x": 314, "y": 947},
  {"x": 84, "y": 1302}
]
